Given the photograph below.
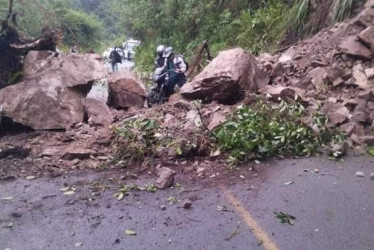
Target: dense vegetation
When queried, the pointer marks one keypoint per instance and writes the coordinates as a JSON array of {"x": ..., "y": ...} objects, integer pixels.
[
  {"x": 256, "y": 25},
  {"x": 88, "y": 23}
]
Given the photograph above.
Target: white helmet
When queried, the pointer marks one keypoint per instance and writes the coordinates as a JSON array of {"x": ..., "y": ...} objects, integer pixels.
[{"x": 160, "y": 49}]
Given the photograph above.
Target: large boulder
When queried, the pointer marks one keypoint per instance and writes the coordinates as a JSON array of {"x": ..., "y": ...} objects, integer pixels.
[
  {"x": 52, "y": 91},
  {"x": 231, "y": 75},
  {"x": 353, "y": 47},
  {"x": 42, "y": 107},
  {"x": 98, "y": 113},
  {"x": 126, "y": 90},
  {"x": 68, "y": 70},
  {"x": 367, "y": 37}
]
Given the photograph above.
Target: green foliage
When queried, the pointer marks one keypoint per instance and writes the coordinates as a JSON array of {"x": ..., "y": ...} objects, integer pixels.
[
  {"x": 261, "y": 30},
  {"x": 370, "y": 151},
  {"x": 145, "y": 57},
  {"x": 254, "y": 25},
  {"x": 341, "y": 9},
  {"x": 15, "y": 78},
  {"x": 81, "y": 28},
  {"x": 298, "y": 15},
  {"x": 136, "y": 140},
  {"x": 267, "y": 132}
]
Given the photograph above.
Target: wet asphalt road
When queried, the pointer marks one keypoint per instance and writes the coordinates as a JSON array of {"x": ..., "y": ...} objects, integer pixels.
[{"x": 333, "y": 210}]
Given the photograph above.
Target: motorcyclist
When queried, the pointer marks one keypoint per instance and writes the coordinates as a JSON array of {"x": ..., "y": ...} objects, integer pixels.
[
  {"x": 176, "y": 68},
  {"x": 160, "y": 60}
]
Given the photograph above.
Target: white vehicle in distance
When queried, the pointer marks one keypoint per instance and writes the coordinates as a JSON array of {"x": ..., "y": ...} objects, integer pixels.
[{"x": 129, "y": 49}]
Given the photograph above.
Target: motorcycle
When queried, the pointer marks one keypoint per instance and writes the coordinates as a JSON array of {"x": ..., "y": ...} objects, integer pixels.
[
  {"x": 160, "y": 77},
  {"x": 157, "y": 93}
]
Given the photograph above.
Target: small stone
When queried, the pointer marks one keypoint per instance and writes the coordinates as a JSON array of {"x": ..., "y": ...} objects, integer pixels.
[
  {"x": 372, "y": 176},
  {"x": 75, "y": 153},
  {"x": 360, "y": 174},
  {"x": 50, "y": 152},
  {"x": 337, "y": 82},
  {"x": 78, "y": 244},
  {"x": 369, "y": 73},
  {"x": 16, "y": 215},
  {"x": 200, "y": 170},
  {"x": 75, "y": 162},
  {"x": 365, "y": 94},
  {"x": 187, "y": 204},
  {"x": 163, "y": 207},
  {"x": 165, "y": 177},
  {"x": 318, "y": 63}
]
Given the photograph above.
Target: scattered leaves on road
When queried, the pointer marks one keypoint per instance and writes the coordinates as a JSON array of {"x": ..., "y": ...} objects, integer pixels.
[
  {"x": 222, "y": 209},
  {"x": 7, "y": 198},
  {"x": 285, "y": 218},
  {"x": 68, "y": 190},
  {"x": 78, "y": 244},
  {"x": 130, "y": 232},
  {"x": 370, "y": 151},
  {"x": 172, "y": 200},
  {"x": 235, "y": 232}
]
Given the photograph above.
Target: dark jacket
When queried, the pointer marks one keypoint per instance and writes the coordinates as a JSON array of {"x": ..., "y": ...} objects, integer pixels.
[
  {"x": 115, "y": 57},
  {"x": 159, "y": 62}
]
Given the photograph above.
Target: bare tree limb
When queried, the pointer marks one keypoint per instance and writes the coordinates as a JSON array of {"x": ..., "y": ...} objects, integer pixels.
[
  {"x": 198, "y": 57},
  {"x": 26, "y": 46},
  {"x": 10, "y": 9}
]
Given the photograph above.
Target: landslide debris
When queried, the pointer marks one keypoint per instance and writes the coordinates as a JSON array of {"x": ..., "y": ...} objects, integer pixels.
[{"x": 309, "y": 93}]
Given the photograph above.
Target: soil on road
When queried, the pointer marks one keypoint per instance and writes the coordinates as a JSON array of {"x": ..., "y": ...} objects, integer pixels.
[{"x": 332, "y": 206}]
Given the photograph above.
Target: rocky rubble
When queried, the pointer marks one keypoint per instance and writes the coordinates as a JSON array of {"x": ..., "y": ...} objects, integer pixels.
[
  {"x": 334, "y": 70},
  {"x": 332, "y": 73}
]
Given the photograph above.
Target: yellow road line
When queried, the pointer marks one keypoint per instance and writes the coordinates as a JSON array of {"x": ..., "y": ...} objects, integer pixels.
[{"x": 258, "y": 232}]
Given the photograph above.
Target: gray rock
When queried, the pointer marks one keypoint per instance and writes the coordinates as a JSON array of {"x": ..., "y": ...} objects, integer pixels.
[
  {"x": 98, "y": 113},
  {"x": 360, "y": 174},
  {"x": 165, "y": 177},
  {"x": 228, "y": 78},
  {"x": 51, "y": 94},
  {"x": 353, "y": 47},
  {"x": 367, "y": 37},
  {"x": 187, "y": 204},
  {"x": 360, "y": 76},
  {"x": 126, "y": 90},
  {"x": 77, "y": 153}
]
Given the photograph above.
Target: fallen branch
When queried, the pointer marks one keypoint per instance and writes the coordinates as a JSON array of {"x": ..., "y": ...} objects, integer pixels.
[
  {"x": 197, "y": 59},
  {"x": 27, "y": 45},
  {"x": 235, "y": 232}
]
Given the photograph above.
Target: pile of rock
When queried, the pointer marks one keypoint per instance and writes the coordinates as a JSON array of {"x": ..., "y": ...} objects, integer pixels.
[
  {"x": 60, "y": 90},
  {"x": 333, "y": 70}
]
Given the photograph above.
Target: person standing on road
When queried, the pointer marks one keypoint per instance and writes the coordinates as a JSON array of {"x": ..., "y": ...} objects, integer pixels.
[{"x": 115, "y": 58}]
